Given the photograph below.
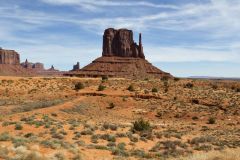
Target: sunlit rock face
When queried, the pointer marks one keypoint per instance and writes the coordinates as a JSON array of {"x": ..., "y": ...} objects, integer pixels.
[
  {"x": 9, "y": 57},
  {"x": 120, "y": 43}
]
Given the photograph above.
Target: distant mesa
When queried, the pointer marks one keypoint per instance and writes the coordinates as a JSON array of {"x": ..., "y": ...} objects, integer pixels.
[
  {"x": 35, "y": 66},
  {"x": 10, "y": 65},
  {"x": 9, "y": 57},
  {"x": 121, "y": 57}
]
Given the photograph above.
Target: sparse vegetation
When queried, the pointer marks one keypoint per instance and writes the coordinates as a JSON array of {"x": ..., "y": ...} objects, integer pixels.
[
  {"x": 101, "y": 87},
  {"x": 111, "y": 105},
  {"x": 168, "y": 124},
  {"x": 141, "y": 125},
  {"x": 18, "y": 126},
  {"x": 131, "y": 88},
  {"x": 211, "y": 120},
  {"x": 79, "y": 86},
  {"x": 189, "y": 85},
  {"x": 104, "y": 78},
  {"x": 154, "y": 90}
]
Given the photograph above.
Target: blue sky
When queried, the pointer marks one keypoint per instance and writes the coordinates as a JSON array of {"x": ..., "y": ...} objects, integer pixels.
[{"x": 183, "y": 37}]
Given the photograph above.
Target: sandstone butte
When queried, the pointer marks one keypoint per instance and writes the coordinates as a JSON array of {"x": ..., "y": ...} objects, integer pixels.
[
  {"x": 121, "y": 57},
  {"x": 10, "y": 66}
]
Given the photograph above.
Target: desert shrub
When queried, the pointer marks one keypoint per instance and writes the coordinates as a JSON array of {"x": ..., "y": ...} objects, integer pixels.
[
  {"x": 19, "y": 141},
  {"x": 238, "y": 90},
  {"x": 141, "y": 125},
  {"x": 28, "y": 135},
  {"x": 87, "y": 132},
  {"x": 121, "y": 135},
  {"x": 104, "y": 78},
  {"x": 194, "y": 118},
  {"x": 6, "y": 123},
  {"x": 120, "y": 150},
  {"x": 133, "y": 139},
  {"x": 159, "y": 114},
  {"x": 202, "y": 139},
  {"x": 211, "y": 120},
  {"x": 176, "y": 79},
  {"x": 5, "y": 136},
  {"x": 108, "y": 137},
  {"x": 131, "y": 88},
  {"x": 60, "y": 156},
  {"x": 101, "y": 87},
  {"x": 111, "y": 144},
  {"x": 57, "y": 136},
  {"x": 106, "y": 125},
  {"x": 140, "y": 153},
  {"x": 94, "y": 138},
  {"x": 37, "y": 105},
  {"x": 100, "y": 147},
  {"x": 113, "y": 127},
  {"x": 18, "y": 126},
  {"x": 154, "y": 90},
  {"x": 111, "y": 106},
  {"x": 188, "y": 85},
  {"x": 203, "y": 147},
  {"x": 195, "y": 101},
  {"x": 3, "y": 152},
  {"x": 79, "y": 86},
  {"x": 54, "y": 114}
]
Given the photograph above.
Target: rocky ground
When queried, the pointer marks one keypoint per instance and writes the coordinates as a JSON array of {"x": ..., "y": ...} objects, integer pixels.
[{"x": 77, "y": 118}]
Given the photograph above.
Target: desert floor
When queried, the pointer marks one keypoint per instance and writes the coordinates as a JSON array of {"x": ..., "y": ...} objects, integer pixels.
[{"x": 94, "y": 119}]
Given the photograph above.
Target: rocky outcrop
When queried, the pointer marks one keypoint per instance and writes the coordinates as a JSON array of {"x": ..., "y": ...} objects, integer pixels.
[
  {"x": 9, "y": 57},
  {"x": 35, "y": 66},
  {"x": 76, "y": 67},
  {"x": 121, "y": 57},
  {"x": 120, "y": 43}
]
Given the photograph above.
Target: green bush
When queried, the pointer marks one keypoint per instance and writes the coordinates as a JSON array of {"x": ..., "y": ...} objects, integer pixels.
[
  {"x": 18, "y": 126},
  {"x": 141, "y": 125},
  {"x": 131, "y": 88},
  {"x": 79, "y": 86},
  {"x": 188, "y": 85},
  {"x": 211, "y": 120},
  {"x": 154, "y": 90},
  {"x": 104, "y": 78},
  {"x": 5, "y": 136},
  {"x": 101, "y": 87},
  {"x": 194, "y": 118},
  {"x": 111, "y": 106}
]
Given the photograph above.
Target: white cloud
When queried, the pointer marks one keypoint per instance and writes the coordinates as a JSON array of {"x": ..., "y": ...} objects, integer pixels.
[
  {"x": 193, "y": 54},
  {"x": 220, "y": 19},
  {"x": 95, "y": 4}
]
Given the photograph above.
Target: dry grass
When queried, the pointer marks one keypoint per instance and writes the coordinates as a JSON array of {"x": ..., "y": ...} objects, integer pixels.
[{"x": 228, "y": 154}]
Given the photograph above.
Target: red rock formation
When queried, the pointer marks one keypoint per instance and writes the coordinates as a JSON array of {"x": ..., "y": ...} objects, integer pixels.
[
  {"x": 35, "y": 66},
  {"x": 9, "y": 57},
  {"x": 121, "y": 57},
  {"x": 120, "y": 43}
]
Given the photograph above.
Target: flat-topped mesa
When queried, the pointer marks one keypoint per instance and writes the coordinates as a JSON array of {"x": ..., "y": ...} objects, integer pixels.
[
  {"x": 9, "y": 57},
  {"x": 120, "y": 43}
]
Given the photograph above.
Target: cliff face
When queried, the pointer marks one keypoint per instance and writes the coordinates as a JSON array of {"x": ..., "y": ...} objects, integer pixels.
[
  {"x": 120, "y": 43},
  {"x": 9, "y": 57}
]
